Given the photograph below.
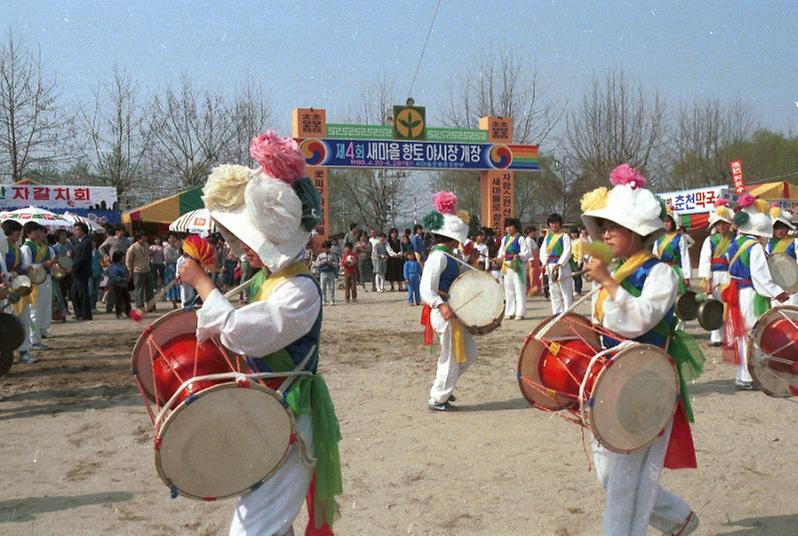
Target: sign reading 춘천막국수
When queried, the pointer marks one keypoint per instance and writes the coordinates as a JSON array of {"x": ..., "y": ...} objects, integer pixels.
[{"x": 695, "y": 201}]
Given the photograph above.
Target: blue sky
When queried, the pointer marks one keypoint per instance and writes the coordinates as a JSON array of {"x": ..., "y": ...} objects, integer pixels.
[{"x": 323, "y": 53}]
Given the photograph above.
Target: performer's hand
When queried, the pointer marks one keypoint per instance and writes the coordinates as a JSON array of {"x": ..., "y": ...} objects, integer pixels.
[
  {"x": 3, "y": 290},
  {"x": 192, "y": 274},
  {"x": 597, "y": 271},
  {"x": 708, "y": 286},
  {"x": 687, "y": 283},
  {"x": 446, "y": 311},
  {"x": 783, "y": 297},
  {"x": 47, "y": 264}
]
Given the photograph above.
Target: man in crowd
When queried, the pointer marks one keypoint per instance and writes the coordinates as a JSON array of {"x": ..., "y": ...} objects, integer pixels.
[
  {"x": 82, "y": 272},
  {"x": 137, "y": 260},
  {"x": 417, "y": 241}
]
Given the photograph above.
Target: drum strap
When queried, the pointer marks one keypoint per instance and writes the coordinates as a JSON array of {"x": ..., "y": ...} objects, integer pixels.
[
  {"x": 667, "y": 241},
  {"x": 782, "y": 245}
]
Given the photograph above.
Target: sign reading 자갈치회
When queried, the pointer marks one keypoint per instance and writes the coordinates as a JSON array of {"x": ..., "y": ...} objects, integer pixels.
[{"x": 100, "y": 201}]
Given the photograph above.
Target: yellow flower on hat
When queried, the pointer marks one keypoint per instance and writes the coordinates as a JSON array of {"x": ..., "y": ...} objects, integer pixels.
[
  {"x": 464, "y": 215},
  {"x": 775, "y": 212},
  {"x": 595, "y": 199},
  {"x": 762, "y": 206},
  {"x": 722, "y": 212}
]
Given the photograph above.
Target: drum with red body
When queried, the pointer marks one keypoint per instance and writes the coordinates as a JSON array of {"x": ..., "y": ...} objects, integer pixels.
[
  {"x": 218, "y": 431},
  {"x": 625, "y": 395},
  {"x": 773, "y": 352}
]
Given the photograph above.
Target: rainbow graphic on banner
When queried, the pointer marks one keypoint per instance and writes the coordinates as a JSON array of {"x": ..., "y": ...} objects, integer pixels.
[{"x": 524, "y": 156}]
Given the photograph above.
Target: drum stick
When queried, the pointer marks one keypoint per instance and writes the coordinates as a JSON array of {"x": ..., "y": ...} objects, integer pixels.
[{"x": 469, "y": 300}]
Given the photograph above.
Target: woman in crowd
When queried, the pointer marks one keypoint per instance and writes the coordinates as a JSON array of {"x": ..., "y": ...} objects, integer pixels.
[
  {"x": 365, "y": 269},
  {"x": 394, "y": 273}
]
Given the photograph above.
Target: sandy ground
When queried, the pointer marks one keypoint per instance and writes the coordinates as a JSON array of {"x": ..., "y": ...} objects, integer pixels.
[{"x": 77, "y": 456}]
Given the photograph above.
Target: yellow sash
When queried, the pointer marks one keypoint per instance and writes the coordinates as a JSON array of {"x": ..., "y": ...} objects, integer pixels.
[
  {"x": 723, "y": 245},
  {"x": 740, "y": 251},
  {"x": 277, "y": 278},
  {"x": 665, "y": 243},
  {"x": 782, "y": 245},
  {"x": 622, "y": 272},
  {"x": 39, "y": 253}
]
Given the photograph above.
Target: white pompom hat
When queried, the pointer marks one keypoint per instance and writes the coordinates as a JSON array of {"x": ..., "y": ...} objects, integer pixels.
[
  {"x": 720, "y": 213},
  {"x": 446, "y": 220},
  {"x": 271, "y": 209},
  {"x": 777, "y": 214},
  {"x": 753, "y": 217},
  {"x": 628, "y": 204}
]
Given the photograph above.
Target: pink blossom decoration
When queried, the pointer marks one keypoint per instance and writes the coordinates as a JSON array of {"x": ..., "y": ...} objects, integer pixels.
[
  {"x": 626, "y": 174},
  {"x": 775, "y": 204},
  {"x": 445, "y": 202},
  {"x": 721, "y": 202},
  {"x": 278, "y": 157},
  {"x": 746, "y": 200}
]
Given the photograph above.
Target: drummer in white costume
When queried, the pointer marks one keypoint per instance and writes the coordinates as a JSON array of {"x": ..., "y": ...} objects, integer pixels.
[
  {"x": 713, "y": 265},
  {"x": 636, "y": 301},
  {"x": 782, "y": 242},
  {"x": 35, "y": 253},
  {"x": 458, "y": 349},
  {"x": 673, "y": 249},
  {"x": 751, "y": 287},
  {"x": 555, "y": 254},
  {"x": 267, "y": 214},
  {"x": 514, "y": 254}
]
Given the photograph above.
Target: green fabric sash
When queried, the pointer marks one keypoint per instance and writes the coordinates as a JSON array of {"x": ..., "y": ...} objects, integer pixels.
[{"x": 682, "y": 348}]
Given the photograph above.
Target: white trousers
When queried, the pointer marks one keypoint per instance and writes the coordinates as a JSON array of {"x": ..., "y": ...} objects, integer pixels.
[
  {"x": 448, "y": 369},
  {"x": 793, "y": 299},
  {"x": 718, "y": 280},
  {"x": 561, "y": 292},
  {"x": 272, "y": 508},
  {"x": 514, "y": 295},
  {"x": 24, "y": 317},
  {"x": 747, "y": 309},
  {"x": 41, "y": 312},
  {"x": 634, "y": 497}
]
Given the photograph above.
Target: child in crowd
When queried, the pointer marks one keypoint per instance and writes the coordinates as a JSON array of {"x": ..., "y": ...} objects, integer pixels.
[
  {"x": 349, "y": 262},
  {"x": 327, "y": 265},
  {"x": 412, "y": 277},
  {"x": 379, "y": 257},
  {"x": 118, "y": 279},
  {"x": 187, "y": 292}
]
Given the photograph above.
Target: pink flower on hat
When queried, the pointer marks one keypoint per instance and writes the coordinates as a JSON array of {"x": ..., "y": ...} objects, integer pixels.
[
  {"x": 626, "y": 174},
  {"x": 746, "y": 200},
  {"x": 445, "y": 202},
  {"x": 278, "y": 157},
  {"x": 721, "y": 202}
]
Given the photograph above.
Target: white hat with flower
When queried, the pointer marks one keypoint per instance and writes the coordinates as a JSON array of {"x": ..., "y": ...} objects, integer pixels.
[
  {"x": 753, "y": 216},
  {"x": 778, "y": 214},
  {"x": 446, "y": 220},
  {"x": 271, "y": 209},
  {"x": 721, "y": 213},
  {"x": 628, "y": 204}
]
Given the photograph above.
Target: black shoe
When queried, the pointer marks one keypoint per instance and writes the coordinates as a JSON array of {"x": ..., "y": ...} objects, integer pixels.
[
  {"x": 452, "y": 398},
  {"x": 437, "y": 406}
]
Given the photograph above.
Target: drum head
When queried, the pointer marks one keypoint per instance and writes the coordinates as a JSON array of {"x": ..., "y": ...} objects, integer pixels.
[
  {"x": 65, "y": 262},
  {"x": 633, "y": 398},
  {"x": 22, "y": 285},
  {"x": 773, "y": 352},
  {"x": 784, "y": 271},
  {"x": 687, "y": 306},
  {"x": 572, "y": 326},
  {"x": 12, "y": 333},
  {"x": 224, "y": 442},
  {"x": 710, "y": 315},
  {"x": 37, "y": 275},
  {"x": 477, "y": 299}
]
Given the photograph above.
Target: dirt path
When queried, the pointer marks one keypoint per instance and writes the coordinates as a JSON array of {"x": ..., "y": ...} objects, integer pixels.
[{"x": 77, "y": 456}]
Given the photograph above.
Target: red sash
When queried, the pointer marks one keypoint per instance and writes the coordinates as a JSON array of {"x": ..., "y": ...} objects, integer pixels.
[
  {"x": 681, "y": 450},
  {"x": 426, "y": 311},
  {"x": 734, "y": 326}
]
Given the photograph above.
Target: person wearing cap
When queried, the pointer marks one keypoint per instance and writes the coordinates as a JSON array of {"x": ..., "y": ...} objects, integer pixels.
[
  {"x": 782, "y": 243},
  {"x": 674, "y": 249},
  {"x": 751, "y": 286},
  {"x": 458, "y": 349},
  {"x": 636, "y": 301},
  {"x": 556, "y": 254},
  {"x": 713, "y": 266},
  {"x": 35, "y": 253},
  {"x": 267, "y": 214},
  {"x": 513, "y": 254}
]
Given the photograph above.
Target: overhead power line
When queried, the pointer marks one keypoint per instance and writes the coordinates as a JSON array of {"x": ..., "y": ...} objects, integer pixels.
[{"x": 424, "y": 48}]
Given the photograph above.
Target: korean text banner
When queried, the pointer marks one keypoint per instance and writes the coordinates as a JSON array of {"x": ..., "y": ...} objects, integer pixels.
[
  {"x": 695, "y": 201},
  {"x": 417, "y": 154},
  {"x": 58, "y": 198}
]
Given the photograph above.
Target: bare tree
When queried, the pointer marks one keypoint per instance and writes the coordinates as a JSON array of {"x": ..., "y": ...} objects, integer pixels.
[
  {"x": 116, "y": 134},
  {"x": 373, "y": 197},
  {"x": 252, "y": 115},
  {"x": 503, "y": 87},
  {"x": 616, "y": 123},
  {"x": 191, "y": 132},
  {"x": 702, "y": 139},
  {"x": 31, "y": 123}
]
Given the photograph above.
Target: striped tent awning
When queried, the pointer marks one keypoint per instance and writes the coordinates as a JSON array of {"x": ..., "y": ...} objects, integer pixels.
[
  {"x": 694, "y": 221},
  {"x": 165, "y": 211},
  {"x": 195, "y": 222}
]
